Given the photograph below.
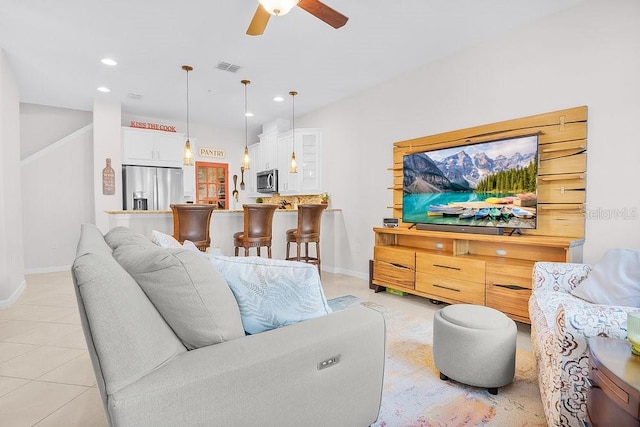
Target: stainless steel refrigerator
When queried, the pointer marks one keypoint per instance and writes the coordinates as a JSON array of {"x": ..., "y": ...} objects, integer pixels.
[{"x": 158, "y": 186}]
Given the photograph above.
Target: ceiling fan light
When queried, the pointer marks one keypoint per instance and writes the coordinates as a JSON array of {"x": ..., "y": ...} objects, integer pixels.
[{"x": 278, "y": 7}]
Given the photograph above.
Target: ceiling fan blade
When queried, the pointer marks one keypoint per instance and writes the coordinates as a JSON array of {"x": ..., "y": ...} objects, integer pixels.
[
  {"x": 259, "y": 22},
  {"x": 324, "y": 12}
]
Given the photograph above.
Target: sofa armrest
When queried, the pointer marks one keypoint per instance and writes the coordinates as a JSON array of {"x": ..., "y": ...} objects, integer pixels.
[
  {"x": 576, "y": 322},
  {"x": 272, "y": 378},
  {"x": 558, "y": 276}
]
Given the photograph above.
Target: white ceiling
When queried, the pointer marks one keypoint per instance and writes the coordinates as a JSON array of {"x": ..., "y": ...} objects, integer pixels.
[{"x": 55, "y": 47}]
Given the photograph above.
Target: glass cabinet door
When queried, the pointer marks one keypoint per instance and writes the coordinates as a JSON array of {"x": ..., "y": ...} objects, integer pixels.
[{"x": 212, "y": 184}]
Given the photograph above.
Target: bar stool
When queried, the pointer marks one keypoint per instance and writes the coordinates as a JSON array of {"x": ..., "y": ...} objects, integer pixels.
[
  {"x": 257, "y": 228},
  {"x": 191, "y": 222},
  {"x": 308, "y": 231}
]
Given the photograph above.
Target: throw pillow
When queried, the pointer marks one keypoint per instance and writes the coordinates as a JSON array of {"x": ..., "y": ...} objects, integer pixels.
[
  {"x": 273, "y": 293},
  {"x": 192, "y": 297},
  {"x": 614, "y": 280},
  {"x": 164, "y": 240},
  {"x": 190, "y": 246}
]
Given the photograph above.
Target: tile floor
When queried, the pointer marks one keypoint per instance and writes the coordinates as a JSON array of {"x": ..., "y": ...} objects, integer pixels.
[{"x": 46, "y": 378}]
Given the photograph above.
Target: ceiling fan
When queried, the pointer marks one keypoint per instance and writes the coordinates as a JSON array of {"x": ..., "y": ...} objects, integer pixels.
[{"x": 266, "y": 8}]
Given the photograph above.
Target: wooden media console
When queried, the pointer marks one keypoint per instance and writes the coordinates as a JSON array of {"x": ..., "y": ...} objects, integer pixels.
[{"x": 492, "y": 270}]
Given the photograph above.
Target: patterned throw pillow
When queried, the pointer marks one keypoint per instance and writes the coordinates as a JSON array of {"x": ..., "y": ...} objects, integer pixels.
[
  {"x": 614, "y": 280},
  {"x": 273, "y": 293}
]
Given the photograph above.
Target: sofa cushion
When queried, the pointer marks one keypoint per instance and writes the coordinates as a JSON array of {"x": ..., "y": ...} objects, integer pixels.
[
  {"x": 273, "y": 293},
  {"x": 118, "y": 236},
  {"x": 614, "y": 280},
  {"x": 115, "y": 307},
  {"x": 188, "y": 292}
]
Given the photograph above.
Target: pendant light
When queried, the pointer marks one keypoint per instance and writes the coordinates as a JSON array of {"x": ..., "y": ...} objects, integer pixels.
[
  {"x": 246, "y": 160},
  {"x": 188, "y": 154},
  {"x": 293, "y": 168}
]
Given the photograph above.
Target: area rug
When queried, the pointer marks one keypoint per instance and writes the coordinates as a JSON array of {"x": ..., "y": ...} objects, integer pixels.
[{"x": 414, "y": 396}]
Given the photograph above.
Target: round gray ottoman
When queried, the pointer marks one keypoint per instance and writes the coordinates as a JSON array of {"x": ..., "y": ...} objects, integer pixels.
[{"x": 474, "y": 345}]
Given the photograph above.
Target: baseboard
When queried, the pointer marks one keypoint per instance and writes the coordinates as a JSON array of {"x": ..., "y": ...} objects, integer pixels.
[
  {"x": 346, "y": 272},
  {"x": 42, "y": 270},
  {"x": 14, "y": 296}
]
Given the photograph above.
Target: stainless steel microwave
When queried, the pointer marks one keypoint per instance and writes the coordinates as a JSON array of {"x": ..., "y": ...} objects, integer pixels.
[{"x": 267, "y": 181}]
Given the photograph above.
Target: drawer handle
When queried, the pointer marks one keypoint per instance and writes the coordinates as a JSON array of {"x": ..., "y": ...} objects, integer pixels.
[
  {"x": 399, "y": 265},
  {"x": 445, "y": 287},
  {"x": 512, "y": 287},
  {"x": 591, "y": 383},
  {"x": 446, "y": 266}
]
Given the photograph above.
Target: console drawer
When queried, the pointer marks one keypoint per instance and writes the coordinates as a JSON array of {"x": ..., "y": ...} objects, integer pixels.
[
  {"x": 394, "y": 266},
  {"x": 386, "y": 273},
  {"x": 510, "y": 299},
  {"x": 450, "y": 288},
  {"x": 510, "y": 275},
  {"x": 459, "y": 268},
  {"x": 394, "y": 255}
]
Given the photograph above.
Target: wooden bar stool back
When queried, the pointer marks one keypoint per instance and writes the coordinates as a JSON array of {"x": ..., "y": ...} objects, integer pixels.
[
  {"x": 191, "y": 222},
  {"x": 258, "y": 218},
  {"x": 308, "y": 231}
]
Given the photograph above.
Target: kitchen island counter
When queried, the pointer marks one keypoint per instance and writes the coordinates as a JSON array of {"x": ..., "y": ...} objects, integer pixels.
[{"x": 226, "y": 222}]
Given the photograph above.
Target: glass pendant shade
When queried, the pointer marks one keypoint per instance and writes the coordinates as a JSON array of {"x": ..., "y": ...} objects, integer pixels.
[
  {"x": 278, "y": 7},
  {"x": 188, "y": 154},
  {"x": 294, "y": 165},
  {"x": 246, "y": 160}
]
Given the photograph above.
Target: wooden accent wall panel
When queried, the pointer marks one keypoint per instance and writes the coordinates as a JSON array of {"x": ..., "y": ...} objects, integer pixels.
[{"x": 561, "y": 173}]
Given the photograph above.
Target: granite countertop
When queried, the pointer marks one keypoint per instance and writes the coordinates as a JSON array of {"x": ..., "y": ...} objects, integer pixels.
[
  {"x": 122, "y": 212},
  {"x": 215, "y": 211}
]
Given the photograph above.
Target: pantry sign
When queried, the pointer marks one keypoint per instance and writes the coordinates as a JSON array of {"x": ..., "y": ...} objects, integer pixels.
[{"x": 217, "y": 153}]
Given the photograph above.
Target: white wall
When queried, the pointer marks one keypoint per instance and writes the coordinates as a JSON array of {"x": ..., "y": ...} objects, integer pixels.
[
  {"x": 106, "y": 144},
  {"x": 11, "y": 241},
  {"x": 58, "y": 189},
  {"x": 587, "y": 55},
  {"x": 41, "y": 125}
]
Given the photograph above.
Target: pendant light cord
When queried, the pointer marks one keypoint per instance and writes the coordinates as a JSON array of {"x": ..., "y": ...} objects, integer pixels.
[
  {"x": 245, "y": 117},
  {"x": 187, "y": 104}
]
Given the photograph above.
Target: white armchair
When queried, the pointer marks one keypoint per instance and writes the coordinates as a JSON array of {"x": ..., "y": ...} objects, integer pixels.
[{"x": 561, "y": 324}]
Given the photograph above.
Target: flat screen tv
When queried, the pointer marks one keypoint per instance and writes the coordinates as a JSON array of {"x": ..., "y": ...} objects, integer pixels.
[{"x": 487, "y": 184}]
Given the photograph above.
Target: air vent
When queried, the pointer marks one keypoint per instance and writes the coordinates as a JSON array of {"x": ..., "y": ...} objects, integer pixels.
[
  {"x": 225, "y": 66},
  {"x": 135, "y": 96}
]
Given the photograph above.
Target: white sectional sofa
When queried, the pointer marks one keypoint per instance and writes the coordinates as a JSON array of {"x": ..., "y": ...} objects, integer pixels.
[{"x": 159, "y": 365}]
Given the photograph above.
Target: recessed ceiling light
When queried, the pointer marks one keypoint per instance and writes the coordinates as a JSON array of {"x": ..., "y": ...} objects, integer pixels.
[
  {"x": 278, "y": 99},
  {"x": 109, "y": 61},
  {"x": 104, "y": 89},
  {"x": 248, "y": 114}
]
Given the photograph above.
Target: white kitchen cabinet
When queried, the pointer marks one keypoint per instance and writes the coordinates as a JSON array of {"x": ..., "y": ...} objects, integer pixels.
[
  {"x": 286, "y": 181},
  {"x": 152, "y": 148},
  {"x": 268, "y": 152},
  {"x": 307, "y": 149},
  {"x": 307, "y": 145}
]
